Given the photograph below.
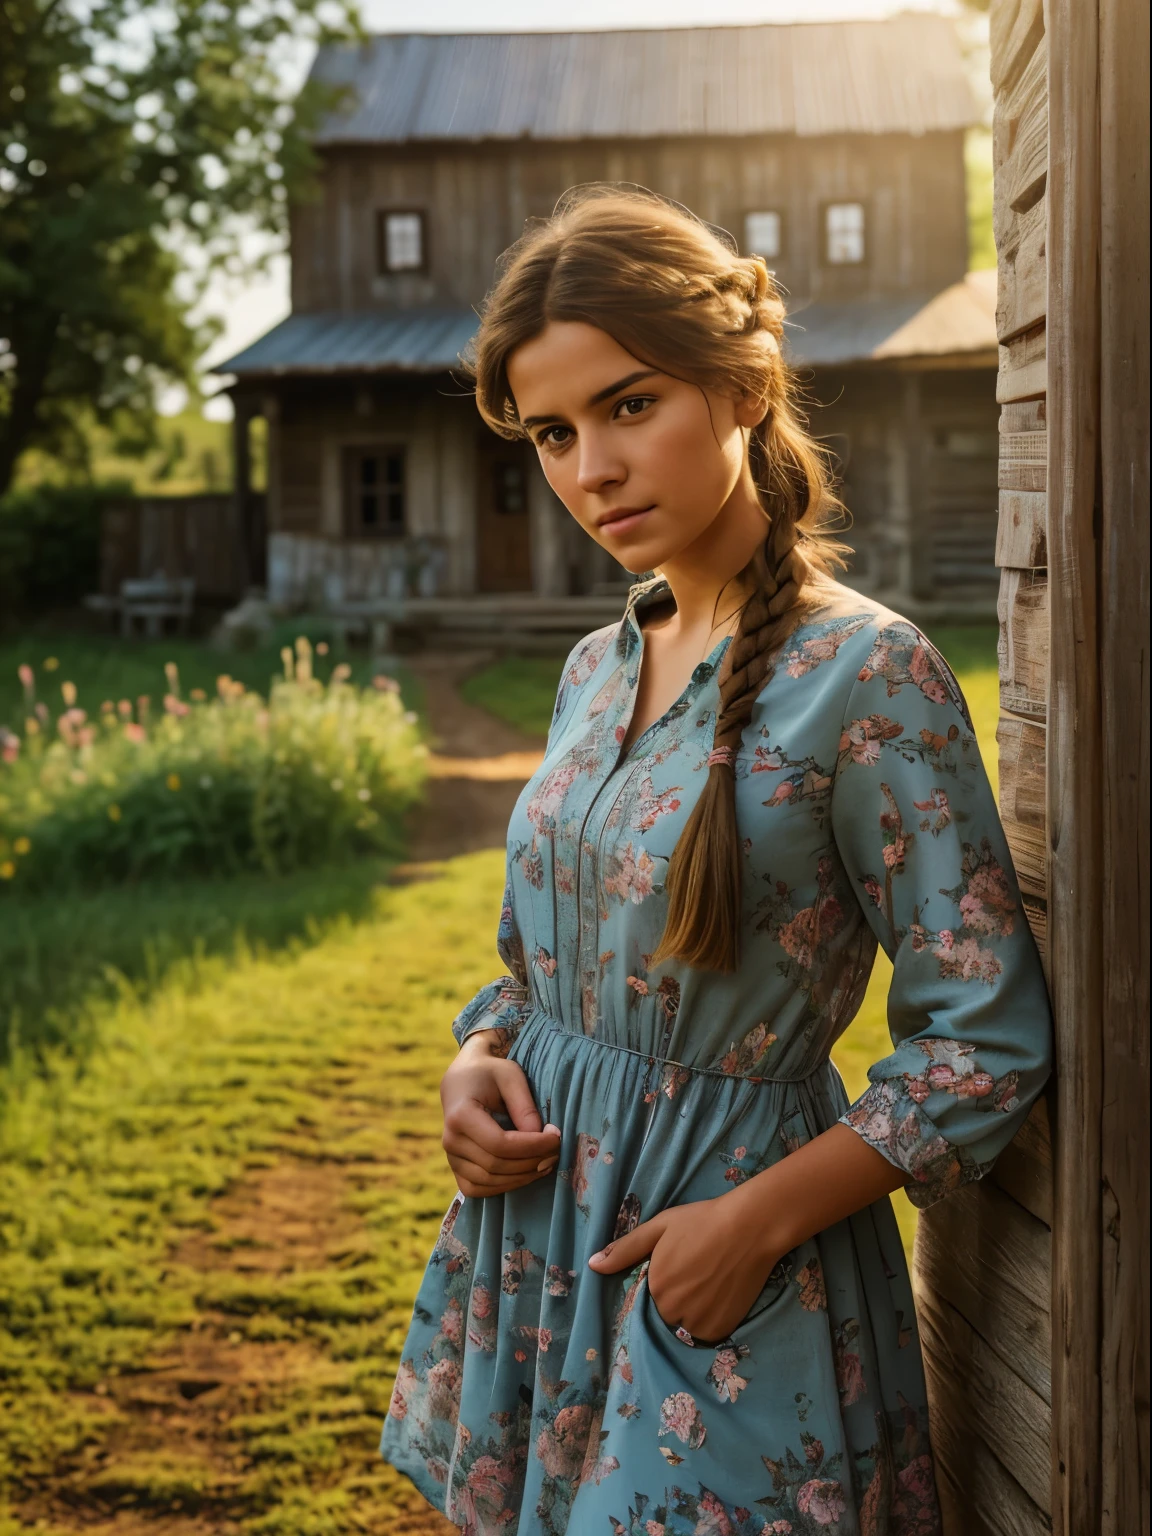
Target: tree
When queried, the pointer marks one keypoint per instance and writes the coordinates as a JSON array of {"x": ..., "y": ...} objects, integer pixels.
[{"x": 137, "y": 142}]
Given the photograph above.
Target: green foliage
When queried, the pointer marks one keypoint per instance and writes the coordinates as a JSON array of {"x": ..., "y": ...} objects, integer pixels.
[
  {"x": 202, "y": 786},
  {"x": 130, "y": 139},
  {"x": 50, "y": 546},
  {"x": 192, "y": 456}
]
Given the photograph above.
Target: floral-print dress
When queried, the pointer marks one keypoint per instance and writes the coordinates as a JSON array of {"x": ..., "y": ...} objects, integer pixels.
[{"x": 536, "y": 1396}]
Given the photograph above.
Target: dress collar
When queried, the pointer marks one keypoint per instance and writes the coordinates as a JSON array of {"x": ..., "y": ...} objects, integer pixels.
[{"x": 642, "y": 596}]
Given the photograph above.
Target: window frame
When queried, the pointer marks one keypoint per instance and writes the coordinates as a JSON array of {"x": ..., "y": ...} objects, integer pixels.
[
  {"x": 825, "y": 240},
  {"x": 382, "y": 217},
  {"x": 781, "y": 224},
  {"x": 353, "y": 454}
]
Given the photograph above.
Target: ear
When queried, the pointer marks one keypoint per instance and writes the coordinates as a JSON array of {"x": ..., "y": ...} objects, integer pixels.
[{"x": 750, "y": 409}]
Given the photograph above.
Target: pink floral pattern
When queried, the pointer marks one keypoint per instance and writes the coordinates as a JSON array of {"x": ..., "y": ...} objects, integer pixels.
[{"x": 535, "y": 1397}]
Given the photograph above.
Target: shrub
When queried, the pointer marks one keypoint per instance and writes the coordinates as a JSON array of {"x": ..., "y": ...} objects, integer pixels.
[
  {"x": 314, "y": 773},
  {"x": 50, "y": 545}
]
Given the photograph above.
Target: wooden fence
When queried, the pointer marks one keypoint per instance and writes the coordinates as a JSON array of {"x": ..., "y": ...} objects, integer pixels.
[{"x": 174, "y": 536}]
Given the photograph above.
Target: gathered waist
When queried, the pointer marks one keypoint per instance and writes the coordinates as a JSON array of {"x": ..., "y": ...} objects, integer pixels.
[{"x": 537, "y": 1021}]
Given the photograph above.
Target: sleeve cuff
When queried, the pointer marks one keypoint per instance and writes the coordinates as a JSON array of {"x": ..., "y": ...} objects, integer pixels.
[
  {"x": 890, "y": 1120},
  {"x": 502, "y": 1005}
]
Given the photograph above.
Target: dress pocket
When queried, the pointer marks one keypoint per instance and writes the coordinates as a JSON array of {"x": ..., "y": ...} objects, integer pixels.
[{"x": 772, "y": 1293}]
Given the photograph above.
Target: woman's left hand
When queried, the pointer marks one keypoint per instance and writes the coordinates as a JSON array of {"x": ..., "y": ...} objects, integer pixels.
[{"x": 706, "y": 1266}]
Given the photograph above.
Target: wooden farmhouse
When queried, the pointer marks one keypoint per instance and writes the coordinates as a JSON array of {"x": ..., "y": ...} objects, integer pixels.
[
  {"x": 835, "y": 151},
  {"x": 1032, "y": 1285}
]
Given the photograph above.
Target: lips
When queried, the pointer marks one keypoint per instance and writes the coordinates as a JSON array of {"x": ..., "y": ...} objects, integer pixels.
[{"x": 621, "y": 519}]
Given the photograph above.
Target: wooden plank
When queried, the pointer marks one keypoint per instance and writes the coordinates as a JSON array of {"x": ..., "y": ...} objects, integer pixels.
[
  {"x": 989, "y": 1258},
  {"x": 1022, "y": 266},
  {"x": 990, "y": 1400},
  {"x": 1024, "y": 416},
  {"x": 1036, "y": 911},
  {"x": 1022, "y": 608},
  {"x": 1023, "y": 791},
  {"x": 1022, "y": 531},
  {"x": 1023, "y": 371},
  {"x": 1124, "y": 667},
  {"x": 1020, "y": 469},
  {"x": 1024, "y": 1170},
  {"x": 1015, "y": 28},
  {"x": 1076, "y": 791},
  {"x": 1020, "y": 142},
  {"x": 963, "y": 1464}
]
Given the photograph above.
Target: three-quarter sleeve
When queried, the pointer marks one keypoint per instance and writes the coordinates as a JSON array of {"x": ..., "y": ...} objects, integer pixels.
[{"x": 916, "y": 824}]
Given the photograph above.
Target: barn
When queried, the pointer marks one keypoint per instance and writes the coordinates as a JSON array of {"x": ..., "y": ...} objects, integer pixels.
[{"x": 834, "y": 151}]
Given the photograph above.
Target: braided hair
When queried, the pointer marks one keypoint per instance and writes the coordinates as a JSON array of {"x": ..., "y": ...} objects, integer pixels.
[{"x": 675, "y": 292}]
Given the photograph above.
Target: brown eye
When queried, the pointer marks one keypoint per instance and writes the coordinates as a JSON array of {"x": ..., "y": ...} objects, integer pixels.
[{"x": 634, "y": 405}]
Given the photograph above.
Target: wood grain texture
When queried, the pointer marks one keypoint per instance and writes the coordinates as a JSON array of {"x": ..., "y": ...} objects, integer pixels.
[
  {"x": 1023, "y": 644},
  {"x": 1023, "y": 796},
  {"x": 990, "y": 1402},
  {"x": 1023, "y": 371},
  {"x": 1024, "y": 1171},
  {"x": 1075, "y": 787},
  {"x": 965, "y": 1465},
  {"x": 1022, "y": 264},
  {"x": 1015, "y": 28},
  {"x": 1036, "y": 911},
  {"x": 1023, "y": 467},
  {"x": 1022, "y": 529},
  {"x": 1020, "y": 142},
  {"x": 1124, "y": 660},
  {"x": 989, "y": 1258}
]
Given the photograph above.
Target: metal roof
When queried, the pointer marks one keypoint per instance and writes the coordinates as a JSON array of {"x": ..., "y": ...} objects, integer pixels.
[
  {"x": 904, "y": 74},
  {"x": 359, "y": 341},
  {"x": 960, "y": 321}
]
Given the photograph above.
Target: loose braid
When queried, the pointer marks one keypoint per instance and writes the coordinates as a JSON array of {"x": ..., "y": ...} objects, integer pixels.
[{"x": 676, "y": 293}]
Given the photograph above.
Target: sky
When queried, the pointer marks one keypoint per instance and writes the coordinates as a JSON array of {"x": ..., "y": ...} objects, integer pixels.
[{"x": 253, "y": 306}]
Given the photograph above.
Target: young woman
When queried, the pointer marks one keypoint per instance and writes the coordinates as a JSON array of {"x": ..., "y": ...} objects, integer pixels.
[{"x": 670, "y": 1297}]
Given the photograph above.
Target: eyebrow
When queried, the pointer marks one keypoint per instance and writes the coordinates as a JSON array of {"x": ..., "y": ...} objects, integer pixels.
[{"x": 600, "y": 395}]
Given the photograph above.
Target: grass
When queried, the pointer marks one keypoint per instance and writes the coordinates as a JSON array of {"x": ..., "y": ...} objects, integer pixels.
[{"x": 120, "y": 1270}]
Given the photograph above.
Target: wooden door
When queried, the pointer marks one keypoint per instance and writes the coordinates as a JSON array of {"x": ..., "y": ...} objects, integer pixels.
[{"x": 503, "y": 525}]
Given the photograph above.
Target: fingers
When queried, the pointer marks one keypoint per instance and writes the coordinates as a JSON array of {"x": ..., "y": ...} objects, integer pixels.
[
  {"x": 477, "y": 1182},
  {"x": 624, "y": 1252},
  {"x": 457, "y": 1144}
]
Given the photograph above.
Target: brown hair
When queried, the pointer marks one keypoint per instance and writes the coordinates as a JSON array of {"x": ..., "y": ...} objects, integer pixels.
[{"x": 674, "y": 292}]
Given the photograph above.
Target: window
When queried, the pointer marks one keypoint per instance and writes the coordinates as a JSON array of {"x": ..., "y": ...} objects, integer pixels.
[
  {"x": 762, "y": 235},
  {"x": 401, "y": 245},
  {"x": 374, "y": 491},
  {"x": 509, "y": 490},
  {"x": 844, "y": 234}
]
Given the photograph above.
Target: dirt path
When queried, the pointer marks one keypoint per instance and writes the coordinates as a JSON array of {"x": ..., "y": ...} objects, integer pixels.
[
  {"x": 178, "y": 1457},
  {"x": 478, "y": 766}
]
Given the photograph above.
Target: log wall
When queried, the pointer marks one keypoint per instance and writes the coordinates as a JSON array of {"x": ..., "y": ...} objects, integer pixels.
[
  {"x": 984, "y": 1257},
  {"x": 1033, "y": 1285}
]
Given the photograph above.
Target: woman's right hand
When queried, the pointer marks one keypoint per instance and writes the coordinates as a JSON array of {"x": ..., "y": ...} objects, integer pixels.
[{"x": 486, "y": 1159}]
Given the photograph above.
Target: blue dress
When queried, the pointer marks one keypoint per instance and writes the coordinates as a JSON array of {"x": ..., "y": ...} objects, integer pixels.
[{"x": 535, "y": 1396}]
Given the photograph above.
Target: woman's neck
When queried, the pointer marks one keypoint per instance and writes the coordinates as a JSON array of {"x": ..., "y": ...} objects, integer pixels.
[{"x": 702, "y": 576}]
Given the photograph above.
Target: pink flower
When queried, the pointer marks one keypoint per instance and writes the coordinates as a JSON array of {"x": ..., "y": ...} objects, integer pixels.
[
  {"x": 134, "y": 732},
  {"x": 444, "y": 1381},
  {"x": 680, "y": 1416},
  {"x": 740, "y": 1153},
  {"x": 27, "y": 677},
  {"x": 823, "y": 1499},
  {"x": 405, "y": 1387},
  {"x": 946, "y": 938},
  {"x": 561, "y": 1446},
  {"x": 849, "y": 1377},
  {"x": 481, "y": 1302},
  {"x": 813, "y": 1297}
]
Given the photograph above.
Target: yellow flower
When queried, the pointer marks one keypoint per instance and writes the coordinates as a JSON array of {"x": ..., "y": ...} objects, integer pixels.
[
  {"x": 7, "y": 869},
  {"x": 50, "y": 663},
  {"x": 173, "y": 781},
  {"x": 21, "y": 846},
  {"x": 113, "y": 813},
  {"x": 68, "y": 690}
]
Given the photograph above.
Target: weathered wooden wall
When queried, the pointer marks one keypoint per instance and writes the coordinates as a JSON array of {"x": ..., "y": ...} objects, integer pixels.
[
  {"x": 1033, "y": 1286},
  {"x": 174, "y": 536},
  {"x": 984, "y": 1258},
  {"x": 477, "y": 197}
]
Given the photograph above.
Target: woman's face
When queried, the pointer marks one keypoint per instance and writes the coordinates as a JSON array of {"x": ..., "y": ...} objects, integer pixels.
[{"x": 644, "y": 462}]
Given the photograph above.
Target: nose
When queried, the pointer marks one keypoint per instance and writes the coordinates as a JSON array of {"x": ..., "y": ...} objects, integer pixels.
[{"x": 599, "y": 469}]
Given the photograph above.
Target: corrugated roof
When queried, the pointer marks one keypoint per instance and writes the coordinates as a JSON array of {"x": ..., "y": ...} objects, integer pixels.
[
  {"x": 960, "y": 321},
  {"x": 364, "y": 341},
  {"x": 904, "y": 74}
]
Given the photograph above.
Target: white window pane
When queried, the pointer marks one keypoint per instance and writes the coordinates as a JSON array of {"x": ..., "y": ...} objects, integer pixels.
[
  {"x": 403, "y": 242},
  {"x": 762, "y": 234},
  {"x": 844, "y": 226}
]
